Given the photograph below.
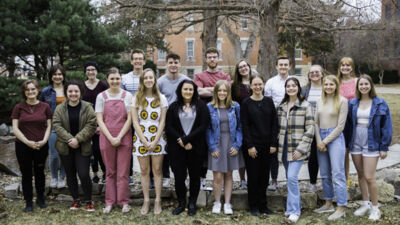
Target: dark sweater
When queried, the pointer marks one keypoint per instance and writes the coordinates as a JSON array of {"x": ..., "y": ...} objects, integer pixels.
[{"x": 259, "y": 123}]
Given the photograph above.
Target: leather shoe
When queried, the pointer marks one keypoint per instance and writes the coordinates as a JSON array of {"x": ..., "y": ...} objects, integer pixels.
[
  {"x": 267, "y": 211},
  {"x": 254, "y": 212},
  {"x": 41, "y": 203},
  {"x": 180, "y": 208},
  {"x": 192, "y": 209},
  {"x": 28, "y": 207}
]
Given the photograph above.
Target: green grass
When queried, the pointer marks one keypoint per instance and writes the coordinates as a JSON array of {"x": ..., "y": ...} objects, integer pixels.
[
  {"x": 394, "y": 105},
  {"x": 58, "y": 213}
]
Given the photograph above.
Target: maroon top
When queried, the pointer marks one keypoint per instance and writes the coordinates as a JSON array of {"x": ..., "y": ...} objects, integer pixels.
[
  {"x": 90, "y": 95},
  {"x": 207, "y": 79},
  {"x": 32, "y": 119},
  {"x": 244, "y": 92}
]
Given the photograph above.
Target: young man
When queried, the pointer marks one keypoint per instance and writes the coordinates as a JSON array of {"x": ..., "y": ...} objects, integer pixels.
[
  {"x": 167, "y": 85},
  {"x": 130, "y": 82},
  {"x": 205, "y": 82},
  {"x": 275, "y": 88}
]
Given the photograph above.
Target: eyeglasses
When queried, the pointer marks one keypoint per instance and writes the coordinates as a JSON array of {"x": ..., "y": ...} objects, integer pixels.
[
  {"x": 244, "y": 66},
  {"x": 314, "y": 72},
  {"x": 91, "y": 70},
  {"x": 137, "y": 59}
]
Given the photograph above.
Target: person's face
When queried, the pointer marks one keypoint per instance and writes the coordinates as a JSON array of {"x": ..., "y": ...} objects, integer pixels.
[
  {"x": 364, "y": 86},
  {"x": 329, "y": 87},
  {"x": 73, "y": 93},
  {"x": 187, "y": 91},
  {"x": 31, "y": 92},
  {"x": 57, "y": 77},
  {"x": 222, "y": 93},
  {"x": 244, "y": 69},
  {"x": 137, "y": 60},
  {"x": 91, "y": 72},
  {"x": 212, "y": 60},
  {"x": 257, "y": 86},
  {"x": 345, "y": 68},
  {"x": 283, "y": 66},
  {"x": 173, "y": 65},
  {"x": 148, "y": 79},
  {"x": 291, "y": 88},
  {"x": 315, "y": 74},
  {"x": 114, "y": 80}
]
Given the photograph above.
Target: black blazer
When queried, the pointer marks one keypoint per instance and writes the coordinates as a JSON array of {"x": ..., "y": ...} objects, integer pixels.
[{"x": 196, "y": 137}]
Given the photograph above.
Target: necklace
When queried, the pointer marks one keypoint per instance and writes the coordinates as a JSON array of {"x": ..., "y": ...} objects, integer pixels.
[{"x": 31, "y": 107}]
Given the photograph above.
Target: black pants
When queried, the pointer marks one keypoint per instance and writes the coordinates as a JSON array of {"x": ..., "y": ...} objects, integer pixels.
[
  {"x": 313, "y": 163},
  {"x": 258, "y": 177},
  {"x": 97, "y": 159},
  {"x": 181, "y": 162},
  {"x": 274, "y": 166},
  {"x": 74, "y": 163},
  {"x": 27, "y": 156}
]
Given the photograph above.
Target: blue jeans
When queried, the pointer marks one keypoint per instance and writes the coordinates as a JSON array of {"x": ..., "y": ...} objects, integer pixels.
[
  {"x": 331, "y": 165},
  {"x": 293, "y": 201},
  {"x": 55, "y": 164}
]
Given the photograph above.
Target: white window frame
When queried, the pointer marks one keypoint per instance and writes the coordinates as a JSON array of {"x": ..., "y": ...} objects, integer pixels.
[
  {"x": 189, "y": 19},
  {"x": 246, "y": 21},
  {"x": 190, "y": 58},
  {"x": 242, "y": 40},
  {"x": 219, "y": 48},
  {"x": 161, "y": 54}
]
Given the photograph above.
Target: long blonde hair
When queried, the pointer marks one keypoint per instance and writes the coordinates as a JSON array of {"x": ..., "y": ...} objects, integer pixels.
[
  {"x": 336, "y": 95},
  {"x": 140, "y": 94},
  {"x": 228, "y": 100},
  {"x": 349, "y": 61}
]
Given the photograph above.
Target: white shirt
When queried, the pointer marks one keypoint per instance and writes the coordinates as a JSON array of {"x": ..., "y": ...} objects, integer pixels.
[
  {"x": 275, "y": 88},
  {"x": 130, "y": 82},
  {"x": 99, "y": 107}
]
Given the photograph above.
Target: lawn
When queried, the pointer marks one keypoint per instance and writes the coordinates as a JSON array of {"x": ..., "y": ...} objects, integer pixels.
[{"x": 394, "y": 105}]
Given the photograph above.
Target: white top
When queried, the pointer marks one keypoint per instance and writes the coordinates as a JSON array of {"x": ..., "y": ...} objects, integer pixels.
[
  {"x": 275, "y": 88},
  {"x": 99, "y": 107},
  {"x": 314, "y": 95},
  {"x": 163, "y": 101},
  {"x": 363, "y": 116},
  {"x": 130, "y": 82}
]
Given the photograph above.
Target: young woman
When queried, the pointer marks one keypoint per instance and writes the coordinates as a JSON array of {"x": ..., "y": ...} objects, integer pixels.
[
  {"x": 186, "y": 124},
  {"x": 92, "y": 87},
  {"x": 31, "y": 120},
  {"x": 260, "y": 140},
  {"x": 149, "y": 108},
  {"x": 330, "y": 119},
  {"x": 347, "y": 80},
  {"x": 296, "y": 123},
  {"x": 371, "y": 129},
  {"x": 54, "y": 95},
  {"x": 240, "y": 91},
  {"x": 312, "y": 92},
  {"x": 224, "y": 139},
  {"x": 75, "y": 123},
  {"x": 114, "y": 119}
]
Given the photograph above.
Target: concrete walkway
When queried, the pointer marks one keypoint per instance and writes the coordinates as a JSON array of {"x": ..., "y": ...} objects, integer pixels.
[{"x": 392, "y": 159}]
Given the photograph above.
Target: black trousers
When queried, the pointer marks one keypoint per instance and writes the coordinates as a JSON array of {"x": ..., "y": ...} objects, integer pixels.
[
  {"x": 74, "y": 163},
  {"x": 258, "y": 177},
  {"x": 29, "y": 158},
  {"x": 313, "y": 163},
  {"x": 97, "y": 159},
  {"x": 181, "y": 162},
  {"x": 274, "y": 166}
]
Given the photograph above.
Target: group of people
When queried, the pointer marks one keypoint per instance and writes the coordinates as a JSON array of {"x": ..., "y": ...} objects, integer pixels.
[{"x": 208, "y": 123}]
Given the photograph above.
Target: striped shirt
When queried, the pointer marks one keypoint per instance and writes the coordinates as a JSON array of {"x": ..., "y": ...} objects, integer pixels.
[{"x": 130, "y": 82}]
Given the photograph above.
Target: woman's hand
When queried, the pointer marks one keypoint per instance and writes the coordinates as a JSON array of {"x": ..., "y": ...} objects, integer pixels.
[
  {"x": 296, "y": 155},
  {"x": 97, "y": 130},
  {"x": 73, "y": 143},
  {"x": 272, "y": 150},
  {"x": 215, "y": 154},
  {"x": 115, "y": 142},
  {"x": 383, "y": 154},
  {"x": 152, "y": 146},
  {"x": 233, "y": 151},
  {"x": 180, "y": 142},
  {"x": 188, "y": 146},
  {"x": 321, "y": 147},
  {"x": 252, "y": 152}
]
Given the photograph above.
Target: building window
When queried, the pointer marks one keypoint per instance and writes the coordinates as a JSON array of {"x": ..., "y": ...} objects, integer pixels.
[
  {"x": 190, "y": 73},
  {"x": 388, "y": 11},
  {"x": 297, "y": 71},
  {"x": 161, "y": 54},
  {"x": 396, "y": 48},
  {"x": 189, "y": 50},
  {"x": 189, "y": 19},
  {"x": 397, "y": 11},
  {"x": 244, "y": 23},
  {"x": 298, "y": 54},
  {"x": 386, "y": 47},
  {"x": 243, "y": 44},
  {"x": 219, "y": 48}
]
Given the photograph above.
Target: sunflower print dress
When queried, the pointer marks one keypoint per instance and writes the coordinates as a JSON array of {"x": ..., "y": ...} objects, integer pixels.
[{"x": 149, "y": 119}]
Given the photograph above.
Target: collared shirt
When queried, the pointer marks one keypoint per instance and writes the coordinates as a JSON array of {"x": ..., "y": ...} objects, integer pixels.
[
  {"x": 130, "y": 82},
  {"x": 275, "y": 88}
]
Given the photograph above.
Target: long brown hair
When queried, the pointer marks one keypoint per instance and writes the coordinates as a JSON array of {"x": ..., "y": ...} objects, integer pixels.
[
  {"x": 238, "y": 79},
  {"x": 228, "y": 100},
  {"x": 372, "y": 92},
  {"x": 140, "y": 94}
]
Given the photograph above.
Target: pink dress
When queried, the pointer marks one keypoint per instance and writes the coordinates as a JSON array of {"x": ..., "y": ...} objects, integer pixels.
[{"x": 348, "y": 89}]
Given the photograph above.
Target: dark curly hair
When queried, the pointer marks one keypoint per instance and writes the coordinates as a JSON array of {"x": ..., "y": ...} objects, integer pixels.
[{"x": 179, "y": 99}]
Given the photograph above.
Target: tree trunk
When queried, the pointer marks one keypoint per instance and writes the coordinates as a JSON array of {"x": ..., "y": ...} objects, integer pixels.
[
  {"x": 291, "y": 51},
  {"x": 268, "y": 48},
  {"x": 210, "y": 32},
  {"x": 381, "y": 73}
]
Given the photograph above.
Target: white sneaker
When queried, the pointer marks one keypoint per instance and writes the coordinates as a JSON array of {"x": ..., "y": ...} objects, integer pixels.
[
  {"x": 203, "y": 185},
  {"x": 126, "y": 208},
  {"x": 53, "y": 183},
  {"x": 131, "y": 181},
  {"x": 312, "y": 188},
  {"x": 61, "y": 183},
  {"x": 374, "y": 214},
  {"x": 272, "y": 186},
  {"x": 243, "y": 185},
  {"x": 324, "y": 209},
  {"x": 166, "y": 182},
  {"x": 228, "y": 209},
  {"x": 337, "y": 215},
  {"x": 364, "y": 209},
  {"x": 216, "y": 208},
  {"x": 107, "y": 209},
  {"x": 293, "y": 218}
]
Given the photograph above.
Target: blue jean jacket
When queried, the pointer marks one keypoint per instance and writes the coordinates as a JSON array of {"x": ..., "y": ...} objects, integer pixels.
[
  {"x": 235, "y": 127},
  {"x": 380, "y": 130},
  {"x": 48, "y": 96}
]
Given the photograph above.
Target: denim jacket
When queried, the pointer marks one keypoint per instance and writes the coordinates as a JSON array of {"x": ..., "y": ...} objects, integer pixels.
[
  {"x": 235, "y": 127},
  {"x": 379, "y": 126},
  {"x": 48, "y": 96}
]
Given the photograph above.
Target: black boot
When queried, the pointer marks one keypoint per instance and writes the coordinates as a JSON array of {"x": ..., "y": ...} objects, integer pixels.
[
  {"x": 40, "y": 202},
  {"x": 180, "y": 208},
  {"x": 192, "y": 209},
  {"x": 28, "y": 206}
]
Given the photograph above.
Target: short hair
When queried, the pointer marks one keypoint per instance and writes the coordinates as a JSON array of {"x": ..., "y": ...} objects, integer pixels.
[
  {"x": 90, "y": 63},
  {"x": 24, "y": 87},
  {"x": 372, "y": 92},
  {"x": 53, "y": 70},
  {"x": 211, "y": 50},
  {"x": 228, "y": 101},
  {"x": 138, "y": 51},
  {"x": 173, "y": 56},
  {"x": 299, "y": 96},
  {"x": 282, "y": 57},
  {"x": 74, "y": 82},
  {"x": 112, "y": 70}
]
